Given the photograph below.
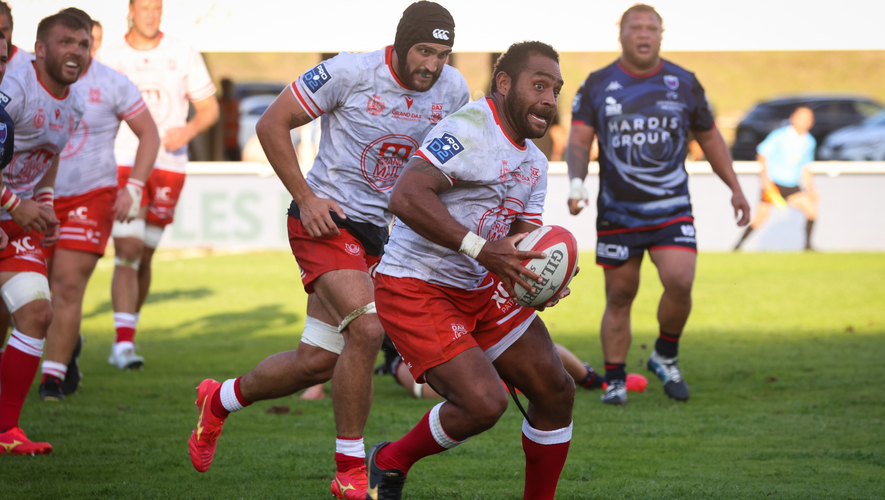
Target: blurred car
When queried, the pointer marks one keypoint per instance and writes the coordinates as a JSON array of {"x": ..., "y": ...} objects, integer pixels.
[
  {"x": 251, "y": 109},
  {"x": 243, "y": 90},
  {"x": 862, "y": 142},
  {"x": 830, "y": 114}
]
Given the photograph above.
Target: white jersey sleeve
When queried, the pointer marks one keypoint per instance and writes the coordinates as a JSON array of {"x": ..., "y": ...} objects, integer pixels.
[
  {"x": 327, "y": 85},
  {"x": 16, "y": 93},
  {"x": 199, "y": 84}
]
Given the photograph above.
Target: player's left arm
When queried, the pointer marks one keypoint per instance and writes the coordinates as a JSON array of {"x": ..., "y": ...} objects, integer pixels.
[
  {"x": 206, "y": 115},
  {"x": 128, "y": 201},
  {"x": 415, "y": 200},
  {"x": 711, "y": 142},
  {"x": 717, "y": 154},
  {"x": 51, "y": 233}
]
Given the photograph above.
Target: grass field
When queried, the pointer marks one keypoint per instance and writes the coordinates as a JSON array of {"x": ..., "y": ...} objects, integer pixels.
[{"x": 783, "y": 354}]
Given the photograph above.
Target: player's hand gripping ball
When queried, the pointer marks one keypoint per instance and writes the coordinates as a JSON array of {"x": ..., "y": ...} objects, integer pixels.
[{"x": 557, "y": 270}]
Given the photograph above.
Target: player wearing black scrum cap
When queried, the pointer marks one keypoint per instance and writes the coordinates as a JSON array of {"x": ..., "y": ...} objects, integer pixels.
[{"x": 378, "y": 108}]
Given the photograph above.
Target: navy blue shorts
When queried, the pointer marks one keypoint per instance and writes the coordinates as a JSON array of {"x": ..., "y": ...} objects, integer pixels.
[{"x": 613, "y": 248}]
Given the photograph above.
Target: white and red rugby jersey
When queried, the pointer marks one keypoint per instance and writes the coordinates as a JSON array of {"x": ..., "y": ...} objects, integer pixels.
[
  {"x": 494, "y": 182},
  {"x": 17, "y": 59},
  {"x": 167, "y": 75},
  {"x": 87, "y": 161},
  {"x": 372, "y": 124},
  {"x": 43, "y": 125}
]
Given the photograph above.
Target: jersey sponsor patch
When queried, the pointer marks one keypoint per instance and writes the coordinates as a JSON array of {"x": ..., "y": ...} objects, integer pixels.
[
  {"x": 316, "y": 78},
  {"x": 445, "y": 148},
  {"x": 4, "y": 100},
  {"x": 2, "y": 134}
]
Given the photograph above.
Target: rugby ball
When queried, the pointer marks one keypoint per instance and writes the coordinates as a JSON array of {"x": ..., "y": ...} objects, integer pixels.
[{"x": 557, "y": 270}]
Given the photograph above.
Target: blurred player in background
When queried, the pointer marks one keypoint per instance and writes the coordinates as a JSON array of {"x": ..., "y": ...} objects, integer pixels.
[
  {"x": 87, "y": 203},
  {"x": 169, "y": 73},
  {"x": 46, "y": 112},
  {"x": 642, "y": 108},
  {"x": 17, "y": 56},
  {"x": 377, "y": 107},
  {"x": 97, "y": 36},
  {"x": 473, "y": 191},
  {"x": 785, "y": 155}
]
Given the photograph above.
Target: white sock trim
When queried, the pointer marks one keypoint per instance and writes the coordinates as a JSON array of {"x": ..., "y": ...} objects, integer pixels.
[
  {"x": 25, "y": 344},
  {"x": 229, "y": 396},
  {"x": 557, "y": 436},
  {"x": 351, "y": 447},
  {"x": 125, "y": 320},
  {"x": 119, "y": 347},
  {"x": 439, "y": 435},
  {"x": 54, "y": 369}
]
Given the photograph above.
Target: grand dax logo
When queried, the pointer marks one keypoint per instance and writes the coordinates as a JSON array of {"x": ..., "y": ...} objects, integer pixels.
[{"x": 383, "y": 160}]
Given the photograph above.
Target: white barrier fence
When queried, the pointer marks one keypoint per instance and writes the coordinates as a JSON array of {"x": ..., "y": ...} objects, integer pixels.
[{"x": 239, "y": 206}]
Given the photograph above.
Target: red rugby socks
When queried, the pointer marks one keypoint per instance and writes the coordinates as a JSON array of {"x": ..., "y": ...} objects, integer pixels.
[
  {"x": 545, "y": 454},
  {"x": 425, "y": 439},
  {"x": 18, "y": 368}
]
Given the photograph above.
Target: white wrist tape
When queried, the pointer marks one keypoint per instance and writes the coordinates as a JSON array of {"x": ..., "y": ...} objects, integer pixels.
[
  {"x": 577, "y": 190},
  {"x": 471, "y": 245},
  {"x": 135, "y": 191}
]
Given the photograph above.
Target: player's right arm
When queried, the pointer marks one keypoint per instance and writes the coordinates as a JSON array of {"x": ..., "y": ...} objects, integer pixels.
[
  {"x": 283, "y": 115},
  {"x": 415, "y": 201},
  {"x": 580, "y": 141}
]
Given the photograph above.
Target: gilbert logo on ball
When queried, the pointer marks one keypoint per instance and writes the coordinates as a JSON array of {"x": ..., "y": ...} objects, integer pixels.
[{"x": 556, "y": 271}]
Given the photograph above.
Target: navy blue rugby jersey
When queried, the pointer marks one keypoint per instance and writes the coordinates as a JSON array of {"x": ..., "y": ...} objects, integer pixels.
[
  {"x": 642, "y": 122},
  {"x": 6, "y": 132}
]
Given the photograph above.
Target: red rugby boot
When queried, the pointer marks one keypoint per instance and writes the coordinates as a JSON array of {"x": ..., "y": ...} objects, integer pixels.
[
  {"x": 14, "y": 442},
  {"x": 205, "y": 436},
  {"x": 350, "y": 485}
]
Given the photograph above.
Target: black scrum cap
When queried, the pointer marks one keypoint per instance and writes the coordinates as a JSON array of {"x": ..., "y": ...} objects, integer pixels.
[{"x": 424, "y": 22}]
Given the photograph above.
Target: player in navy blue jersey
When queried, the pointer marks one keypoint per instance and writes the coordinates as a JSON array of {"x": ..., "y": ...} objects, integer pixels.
[{"x": 642, "y": 108}]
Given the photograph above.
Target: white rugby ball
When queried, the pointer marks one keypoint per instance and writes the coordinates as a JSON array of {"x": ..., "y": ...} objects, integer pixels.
[{"x": 557, "y": 270}]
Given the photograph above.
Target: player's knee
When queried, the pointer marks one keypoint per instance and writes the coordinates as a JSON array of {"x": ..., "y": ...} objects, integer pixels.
[
  {"x": 620, "y": 296},
  {"x": 488, "y": 409},
  {"x": 679, "y": 286},
  {"x": 319, "y": 366},
  {"x": 34, "y": 317}
]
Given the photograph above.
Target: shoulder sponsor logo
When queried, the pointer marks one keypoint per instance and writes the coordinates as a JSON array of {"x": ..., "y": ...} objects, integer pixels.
[
  {"x": 576, "y": 102},
  {"x": 316, "y": 78},
  {"x": 375, "y": 106},
  {"x": 687, "y": 230},
  {"x": 611, "y": 106},
  {"x": 445, "y": 148},
  {"x": 614, "y": 85},
  {"x": 440, "y": 34},
  {"x": 671, "y": 82},
  {"x": 436, "y": 110},
  {"x": 4, "y": 99},
  {"x": 2, "y": 133},
  {"x": 409, "y": 102},
  {"x": 609, "y": 251}
]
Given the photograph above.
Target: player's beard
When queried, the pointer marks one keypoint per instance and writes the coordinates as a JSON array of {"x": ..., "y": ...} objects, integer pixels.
[
  {"x": 410, "y": 77},
  {"x": 518, "y": 110},
  {"x": 643, "y": 61},
  {"x": 55, "y": 67}
]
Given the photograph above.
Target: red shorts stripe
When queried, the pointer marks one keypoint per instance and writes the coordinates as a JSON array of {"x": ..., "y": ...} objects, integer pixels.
[{"x": 645, "y": 228}]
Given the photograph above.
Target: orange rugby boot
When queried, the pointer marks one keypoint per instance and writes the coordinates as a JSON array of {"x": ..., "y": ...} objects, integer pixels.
[
  {"x": 14, "y": 442},
  {"x": 350, "y": 485},
  {"x": 205, "y": 436}
]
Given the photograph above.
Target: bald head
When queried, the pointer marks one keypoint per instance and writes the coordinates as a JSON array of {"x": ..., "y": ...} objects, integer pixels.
[{"x": 802, "y": 119}]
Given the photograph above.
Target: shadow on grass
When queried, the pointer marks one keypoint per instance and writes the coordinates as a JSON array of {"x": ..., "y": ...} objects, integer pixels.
[{"x": 192, "y": 294}]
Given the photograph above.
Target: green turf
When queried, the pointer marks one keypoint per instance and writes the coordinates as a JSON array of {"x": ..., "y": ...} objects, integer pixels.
[{"x": 783, "y": 353}]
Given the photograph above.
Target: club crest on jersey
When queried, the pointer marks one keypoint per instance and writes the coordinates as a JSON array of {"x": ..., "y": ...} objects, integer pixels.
[
  {"x": 671, "y": 82},
  {"x": 445, "y": 148},
  {"x": 4, "y": 100},
  {"x": 614, "y": 85},
  {"x": 436, "y": 109},
  {"x": 95, "y": 95},
  {"x": 375, "y": 106},
  {"x": 39, "y": 118},
  {"x": 2, "y": 133},
  {"x": 316, "y": 78}
]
